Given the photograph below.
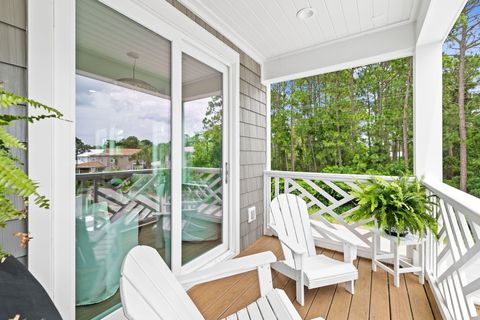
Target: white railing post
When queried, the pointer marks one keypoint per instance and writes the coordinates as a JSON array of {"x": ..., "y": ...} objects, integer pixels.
[
  {"x": 453, "y": 262},
  {"x": 267, "y": 196}
]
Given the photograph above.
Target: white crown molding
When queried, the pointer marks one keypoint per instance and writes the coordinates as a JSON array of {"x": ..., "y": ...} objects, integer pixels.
[
  {"x": 206, "y": 14},
  {"x": 344, "y": 39},
  {"x": 383, "y": 45}
]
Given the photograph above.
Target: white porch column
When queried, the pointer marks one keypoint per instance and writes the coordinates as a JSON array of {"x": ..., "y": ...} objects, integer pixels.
[
  {"x": 51, "y": 149},
  {"x": 427, "y": 111}
]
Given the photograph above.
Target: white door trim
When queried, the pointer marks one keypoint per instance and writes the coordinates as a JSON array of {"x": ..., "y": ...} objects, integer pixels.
[{"x": 51, "y": 79}]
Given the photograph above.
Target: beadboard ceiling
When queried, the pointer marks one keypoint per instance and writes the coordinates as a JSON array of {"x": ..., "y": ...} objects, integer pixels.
[{"x": 271, "y": 29}]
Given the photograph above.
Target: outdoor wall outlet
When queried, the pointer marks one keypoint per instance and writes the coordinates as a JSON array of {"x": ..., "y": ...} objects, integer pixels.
[{"x": 252, "y": 214}]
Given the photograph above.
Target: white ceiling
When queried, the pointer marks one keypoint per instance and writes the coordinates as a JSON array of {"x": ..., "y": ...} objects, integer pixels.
[{"x": 271, "y": 29}]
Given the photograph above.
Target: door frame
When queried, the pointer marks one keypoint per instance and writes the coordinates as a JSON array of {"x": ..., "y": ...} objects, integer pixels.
[
  {"x": 51, "y": 152},
  {"x": 196, "y": 52}
]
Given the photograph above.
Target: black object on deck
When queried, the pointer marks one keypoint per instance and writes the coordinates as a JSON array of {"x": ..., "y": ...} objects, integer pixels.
[{"x": 21, "y": 294}]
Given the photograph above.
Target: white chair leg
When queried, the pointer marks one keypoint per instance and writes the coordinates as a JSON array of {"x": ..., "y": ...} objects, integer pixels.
[
  {"x": 374, "y": 252},
  {"x": 350, "y": 286},
  {"x": 349, "y": 253},
  {"x": 300, "y": 289},
  {"x": 300, "y": 294}
]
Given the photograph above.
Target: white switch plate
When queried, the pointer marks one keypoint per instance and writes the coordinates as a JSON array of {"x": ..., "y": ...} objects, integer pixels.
[{"x": 252, "y": 214}]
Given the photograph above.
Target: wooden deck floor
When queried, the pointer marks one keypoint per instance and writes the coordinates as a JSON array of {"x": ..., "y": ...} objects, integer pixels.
[{"x": 375, "y": 296}]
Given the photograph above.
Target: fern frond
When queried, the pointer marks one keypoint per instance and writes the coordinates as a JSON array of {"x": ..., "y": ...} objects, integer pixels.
[
  {"x": 13, "y": 180},
  {"x": 9, "y": 212},
  {"x": 8, "y": 99},
  {"x": 10, "y": 141}
]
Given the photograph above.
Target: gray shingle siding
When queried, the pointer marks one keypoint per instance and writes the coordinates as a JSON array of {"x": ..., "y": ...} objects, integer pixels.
[
  {"x": 253, "y": 99},
  {"x": 13, "y": 74}
]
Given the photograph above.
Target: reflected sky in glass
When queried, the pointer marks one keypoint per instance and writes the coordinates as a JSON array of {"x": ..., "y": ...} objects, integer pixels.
[{"x": 108, "y": 111}]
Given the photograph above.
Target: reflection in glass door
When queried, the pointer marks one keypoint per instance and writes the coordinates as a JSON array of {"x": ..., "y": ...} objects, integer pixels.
[
  {"x": 202, "y": 183},
  {"x": 123, "y": 141},
  {"x": 124, "y": 192}
]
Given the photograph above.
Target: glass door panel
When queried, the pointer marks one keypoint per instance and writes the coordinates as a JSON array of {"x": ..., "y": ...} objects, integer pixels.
[
  {"x": 123, "y": 136},
  {"x": 124, "y": 153},
  {"x": 202, "y": 183}
]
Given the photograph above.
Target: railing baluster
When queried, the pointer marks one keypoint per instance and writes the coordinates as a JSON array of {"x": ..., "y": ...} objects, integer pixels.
[{"x": 277, "y": 186}]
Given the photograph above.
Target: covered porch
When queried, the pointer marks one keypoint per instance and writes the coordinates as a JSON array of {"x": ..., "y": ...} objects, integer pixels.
[{"x": 247, "y": 47}]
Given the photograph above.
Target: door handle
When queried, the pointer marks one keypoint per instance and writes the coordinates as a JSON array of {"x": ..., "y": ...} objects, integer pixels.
[{"x": 227, "y": 172}]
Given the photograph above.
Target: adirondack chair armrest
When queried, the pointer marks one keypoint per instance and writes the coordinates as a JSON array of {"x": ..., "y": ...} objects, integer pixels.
[
  {"x": 259, "y": 261},
  {"x": 349, "y": 243}
]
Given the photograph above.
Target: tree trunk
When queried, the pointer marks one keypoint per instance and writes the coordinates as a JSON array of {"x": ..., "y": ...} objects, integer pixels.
[
  {"x": 394, "y": 146},
  {"x": 461, "y": 110},
  {"x": 312, "y": 150},
  {"x": 339, "y": 149},
  {"x": 292, "y": 149},
  {"x": 353, "y": 109},
  {"x": 405, "y": 116}
]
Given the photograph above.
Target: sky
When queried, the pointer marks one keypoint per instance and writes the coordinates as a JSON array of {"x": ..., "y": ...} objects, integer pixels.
[
  {"x": 447, "y": 46},
  {"x": 108, "y": 111}
]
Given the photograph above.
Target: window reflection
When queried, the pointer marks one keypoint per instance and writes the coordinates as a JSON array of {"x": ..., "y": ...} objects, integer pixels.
[{"x": 202, "y": 189}]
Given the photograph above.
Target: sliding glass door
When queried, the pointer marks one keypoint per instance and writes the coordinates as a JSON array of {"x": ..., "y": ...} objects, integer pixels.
[
  {"x": 204, "y": 158},
  {"x": 124, "y": 154},
  {"x": 123, "y": 138}
]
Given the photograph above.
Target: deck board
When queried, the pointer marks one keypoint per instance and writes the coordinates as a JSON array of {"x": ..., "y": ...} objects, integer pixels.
[
  {"x": 360, "y": 306},
  {"x": 436, "y": 311},
  {"x": 418, "y": 299},
  {"x": 399, "y": 300},
  {"x": 375, "y": 296},
  {"x": 340, "y": 307},
  {"x": 379, "y": 301}
]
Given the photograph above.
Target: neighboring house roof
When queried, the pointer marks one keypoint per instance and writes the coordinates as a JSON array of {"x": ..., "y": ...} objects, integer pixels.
[
  {"x": 110, "y": 152},
  {"x": 119, "y": 152},
  {"x": 91, "y": 152},
  {"x": 92, "y": 164}
]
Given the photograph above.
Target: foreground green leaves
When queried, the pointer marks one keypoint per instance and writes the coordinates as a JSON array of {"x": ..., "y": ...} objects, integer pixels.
[
  {"x": 14, "y": 182},
  {"x": 402, "y": 204}
]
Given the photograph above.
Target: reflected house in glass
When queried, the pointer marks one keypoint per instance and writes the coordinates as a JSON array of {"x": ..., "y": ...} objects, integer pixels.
[{"x": 118, "y": 158}]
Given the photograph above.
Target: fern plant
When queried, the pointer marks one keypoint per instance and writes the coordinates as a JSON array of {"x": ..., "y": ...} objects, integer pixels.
[
  {"x": 402, "y": 204},
  {"x": 14, "y": 182}
]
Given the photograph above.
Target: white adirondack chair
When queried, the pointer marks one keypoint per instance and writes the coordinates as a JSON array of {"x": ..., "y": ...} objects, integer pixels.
[
  {"x": 149, "y": 290},
  {"x": 290, "y": 220}
]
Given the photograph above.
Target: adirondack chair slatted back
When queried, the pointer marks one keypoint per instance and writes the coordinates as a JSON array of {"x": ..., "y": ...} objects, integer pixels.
[
  {"x": 149, "y": 290},
  {"x": 289, "y": 215}
]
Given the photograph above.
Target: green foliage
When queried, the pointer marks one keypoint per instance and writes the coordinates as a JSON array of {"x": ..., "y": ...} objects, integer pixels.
[
  {"x": 402, "y": 204},
  {"x": 465, "y": 33},
  {"x": 207, "y": 145},
  {"x": 14, "y": 182},
  {"x": 350, "y": 121},
  {"x": 81, "y": 147}
]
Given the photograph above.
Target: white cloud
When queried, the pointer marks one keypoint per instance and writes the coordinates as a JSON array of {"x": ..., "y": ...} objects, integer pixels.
[{"x": 115, "y": 112}]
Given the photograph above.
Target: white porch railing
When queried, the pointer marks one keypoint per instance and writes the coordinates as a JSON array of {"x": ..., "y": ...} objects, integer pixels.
[
  {"x": 328, "y": 199},
  {"x": 453, "y": 262}
]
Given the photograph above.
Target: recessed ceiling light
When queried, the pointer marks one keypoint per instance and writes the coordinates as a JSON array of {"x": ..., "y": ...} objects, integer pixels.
[{"x": 305, "y": 13}]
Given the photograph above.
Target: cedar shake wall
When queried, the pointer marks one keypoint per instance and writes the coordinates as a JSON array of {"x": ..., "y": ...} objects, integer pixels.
[
  {"x": 13, "y": 74},
  {"x": 253, "y": 133}
]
